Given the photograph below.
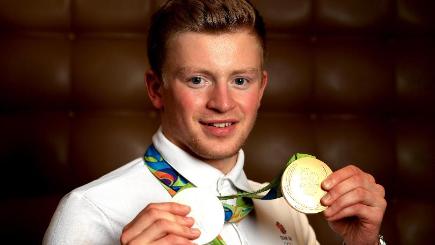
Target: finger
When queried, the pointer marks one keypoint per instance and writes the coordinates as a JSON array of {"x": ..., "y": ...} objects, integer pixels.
[
  {"x": 172, "y": 207},
  {"x": 361, "y": 179},
  {"x": 340, "y": 175},
  {"x": 173, "y": 240},
  {"x": 356, "y": 196},
  {"x": 161, "y": 228},
  {"x": 365, "y": 214},
  {"x": 153, "y": 211},
  {"x": 380, "y": 190},
  {"x": 144, "y": 220},
  {"x": 169, "y": 211}
]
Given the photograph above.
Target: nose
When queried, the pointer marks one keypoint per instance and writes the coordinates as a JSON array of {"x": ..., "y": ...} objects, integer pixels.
[{"x": 220, "y": 98}]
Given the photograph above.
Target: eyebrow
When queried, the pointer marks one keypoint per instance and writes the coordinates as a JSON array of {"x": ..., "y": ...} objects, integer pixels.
[
  {"x": 249, "y": 70},
  {"x": 184, "y": 70}
]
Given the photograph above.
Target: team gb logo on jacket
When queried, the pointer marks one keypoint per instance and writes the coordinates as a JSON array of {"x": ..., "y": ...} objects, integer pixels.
[{"x": 286, "y": 239}]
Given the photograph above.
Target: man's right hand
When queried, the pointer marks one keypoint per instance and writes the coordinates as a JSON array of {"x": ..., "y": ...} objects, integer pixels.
[{"x": 161, "y": 223}]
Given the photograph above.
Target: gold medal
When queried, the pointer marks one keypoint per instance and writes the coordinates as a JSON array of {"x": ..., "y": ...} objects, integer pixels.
[{"x": 300, "y": 184}]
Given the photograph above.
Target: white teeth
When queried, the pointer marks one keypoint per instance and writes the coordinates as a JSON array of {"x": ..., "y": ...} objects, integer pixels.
[{"x": 221, "y": 125}]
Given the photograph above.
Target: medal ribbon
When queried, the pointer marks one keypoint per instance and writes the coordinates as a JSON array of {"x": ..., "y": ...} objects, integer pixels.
[
  {"x": 174, "y": 182},
  {"x": 273, "y": 188}
]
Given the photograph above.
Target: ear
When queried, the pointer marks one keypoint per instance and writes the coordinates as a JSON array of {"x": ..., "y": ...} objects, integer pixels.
[
  {"x": 154, "y": 87},
  {"x": 263, "y": 85}
]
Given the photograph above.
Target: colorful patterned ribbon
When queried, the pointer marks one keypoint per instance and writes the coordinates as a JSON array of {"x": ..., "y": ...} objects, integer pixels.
[{"x": 173, "y": 182}]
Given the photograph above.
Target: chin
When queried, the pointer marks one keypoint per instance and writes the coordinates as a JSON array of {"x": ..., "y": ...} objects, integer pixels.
[
  {"x": 216, "y": 150},
  {"x": 218, "y": 155}
]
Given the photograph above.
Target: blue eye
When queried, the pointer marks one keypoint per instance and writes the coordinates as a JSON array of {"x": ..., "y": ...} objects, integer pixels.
[
  {"x": 196, "y": 80},
  {"x": 240, "y": 81}
]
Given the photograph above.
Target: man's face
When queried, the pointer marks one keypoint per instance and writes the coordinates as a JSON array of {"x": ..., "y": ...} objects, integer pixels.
[{"x": 213, "y": 84}]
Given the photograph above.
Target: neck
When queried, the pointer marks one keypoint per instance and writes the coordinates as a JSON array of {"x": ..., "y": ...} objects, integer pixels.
[{"x": 224, "y": 165}]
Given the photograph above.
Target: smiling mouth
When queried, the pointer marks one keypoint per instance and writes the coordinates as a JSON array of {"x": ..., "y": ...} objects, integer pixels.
[{"x": 220, "y": 125}]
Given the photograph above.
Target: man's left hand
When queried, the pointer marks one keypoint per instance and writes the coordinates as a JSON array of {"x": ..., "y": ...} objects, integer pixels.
[{"x": 356, "y": 205}]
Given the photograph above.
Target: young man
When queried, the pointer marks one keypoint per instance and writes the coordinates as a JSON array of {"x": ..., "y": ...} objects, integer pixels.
[{"x": 207, "y": 80}]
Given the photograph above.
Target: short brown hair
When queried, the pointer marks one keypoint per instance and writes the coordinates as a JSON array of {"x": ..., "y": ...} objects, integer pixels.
[{"x": 209, "y": 16}]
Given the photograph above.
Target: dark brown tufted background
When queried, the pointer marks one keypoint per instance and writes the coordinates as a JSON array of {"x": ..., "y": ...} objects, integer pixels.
[{"x": 351, "y": 82}]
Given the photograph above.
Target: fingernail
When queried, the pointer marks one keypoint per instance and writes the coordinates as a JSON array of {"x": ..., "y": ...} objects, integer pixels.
[
  {"x": 195, "y": 231},
  {"x": 326, "y": 184},
  {"x": 188, "y": 219},
  {"x": 326, "y": 198},
  {"x": 185, "y": 208}
]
